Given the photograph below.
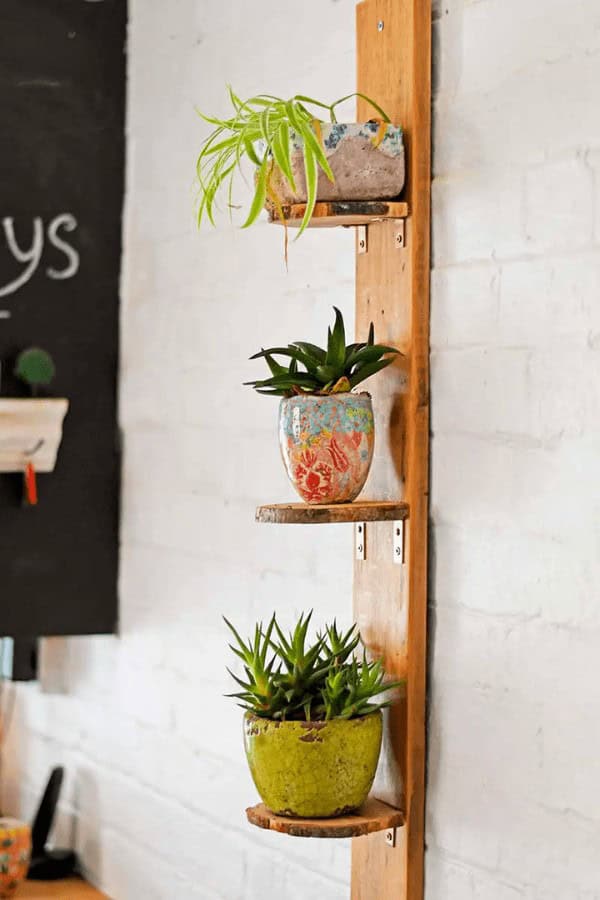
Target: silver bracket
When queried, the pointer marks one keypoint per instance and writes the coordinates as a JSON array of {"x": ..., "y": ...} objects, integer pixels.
[
  {"x": 400, "y": 235},
  {"x": 390, "y": 837},
  {"x": 360, "y": 541},
  {"x": 398, "y": 549},
  {"x": 361, "y": 238}
]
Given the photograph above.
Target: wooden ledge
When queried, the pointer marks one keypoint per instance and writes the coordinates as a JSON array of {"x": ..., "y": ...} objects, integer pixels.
[
  {"x": 318, "y": 514},
  {"x": 374, "y": 816},
  {"x": 332, "y": 214},
  {"x": 64, "y": 889}
]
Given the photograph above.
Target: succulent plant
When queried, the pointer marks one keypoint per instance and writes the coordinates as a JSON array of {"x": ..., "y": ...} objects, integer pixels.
[
  {"x": 35, "y": 367},
  {"x": 292, "y": 678},
  {"x": 336, "y": 369}
]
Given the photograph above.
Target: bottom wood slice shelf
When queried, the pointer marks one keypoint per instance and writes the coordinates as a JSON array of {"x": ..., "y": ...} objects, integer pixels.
[
  {"x": 317, "y": 514},
  {"x": 374, "y": 816}
]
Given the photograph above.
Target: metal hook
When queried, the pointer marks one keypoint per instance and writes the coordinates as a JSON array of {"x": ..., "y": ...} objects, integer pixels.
[{"x": 35, "y": 448}]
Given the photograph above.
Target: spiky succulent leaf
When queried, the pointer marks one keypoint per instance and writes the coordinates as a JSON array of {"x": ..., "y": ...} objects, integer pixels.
[
  {"x": 338, "y": 369},
  {"x": 303, "y": 678}
]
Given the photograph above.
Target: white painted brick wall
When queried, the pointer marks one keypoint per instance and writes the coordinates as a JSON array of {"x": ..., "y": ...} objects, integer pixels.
[
  {"x": 157, "y": 782},
  {"x": 514, "y": 739}
]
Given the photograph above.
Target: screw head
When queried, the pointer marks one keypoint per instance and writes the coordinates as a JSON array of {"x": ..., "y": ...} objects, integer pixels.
[{"x": 380, "y": 25}]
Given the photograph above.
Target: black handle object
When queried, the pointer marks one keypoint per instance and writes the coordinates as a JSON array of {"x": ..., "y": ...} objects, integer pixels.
[{"x": 48, "y": 865}]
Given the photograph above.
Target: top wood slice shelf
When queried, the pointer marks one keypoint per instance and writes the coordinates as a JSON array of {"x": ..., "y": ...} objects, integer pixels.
[
  {"x": 332, "y": 214},
  {"x": 374, "y": 816},
  {"x": 317, "y": 514}
]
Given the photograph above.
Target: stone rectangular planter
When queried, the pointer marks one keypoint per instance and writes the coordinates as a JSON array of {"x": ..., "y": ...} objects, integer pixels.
[{"x": 367, "y": 161}]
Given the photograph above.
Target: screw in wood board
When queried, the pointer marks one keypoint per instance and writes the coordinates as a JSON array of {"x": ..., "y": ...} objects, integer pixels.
[
  {"x": 380, "y": 25},
  {"x": 360, "y": 541}
]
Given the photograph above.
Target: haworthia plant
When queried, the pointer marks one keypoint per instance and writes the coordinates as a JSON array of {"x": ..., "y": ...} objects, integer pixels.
[{"x": 289, "y": 677}]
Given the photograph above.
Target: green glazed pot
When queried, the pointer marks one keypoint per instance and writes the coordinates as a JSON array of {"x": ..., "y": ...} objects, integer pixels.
[{"x": 313, "y": 769}]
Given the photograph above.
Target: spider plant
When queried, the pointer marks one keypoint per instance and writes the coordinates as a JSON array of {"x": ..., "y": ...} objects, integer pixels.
[{"x": 259, "y": 130}]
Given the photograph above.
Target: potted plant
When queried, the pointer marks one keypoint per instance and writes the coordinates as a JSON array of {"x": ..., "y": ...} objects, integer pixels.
[
  {"x": 299, "y": 157},
  {"x": 312, "y": 726},
  {"x": 31, "y": 428},
  {"x": 326, "y": 430}
]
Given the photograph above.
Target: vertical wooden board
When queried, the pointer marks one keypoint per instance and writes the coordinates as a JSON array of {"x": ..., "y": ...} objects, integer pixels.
[{"x": 392, "y": 290}]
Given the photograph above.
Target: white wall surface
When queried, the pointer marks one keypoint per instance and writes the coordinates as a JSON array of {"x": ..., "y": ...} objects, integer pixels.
[
  {"x": 157, "y": 782},
  {"x": 514, "y": 742}
]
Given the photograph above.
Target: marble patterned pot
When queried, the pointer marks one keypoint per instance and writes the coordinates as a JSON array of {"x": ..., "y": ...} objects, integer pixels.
[
  {"x": 367, "y": 161},
  {"x": 313, "y": 769},
  {"x": 15, "y": 853},
  {"x": 327, "y": 444}
]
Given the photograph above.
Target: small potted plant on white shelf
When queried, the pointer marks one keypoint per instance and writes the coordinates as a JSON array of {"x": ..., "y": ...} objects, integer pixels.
[
  {"x": 313, "y": 722},
  {"x": 31, "y": 428},
  {"x": 326, "y": 429},
  {"x": 298, "y": 155}
]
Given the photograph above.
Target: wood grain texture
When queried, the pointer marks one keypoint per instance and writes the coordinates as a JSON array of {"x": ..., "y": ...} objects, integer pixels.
[
  {"x": 332, "y": 214},
  {"x": 374, "y": 816},
  {"x": 67, "y": 889},
  {"x": 321, "y": 514},
  {"x": 390, "y": 601}
]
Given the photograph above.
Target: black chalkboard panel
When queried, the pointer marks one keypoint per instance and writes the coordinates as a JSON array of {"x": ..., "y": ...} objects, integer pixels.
[{"x": 62, "y": 88}]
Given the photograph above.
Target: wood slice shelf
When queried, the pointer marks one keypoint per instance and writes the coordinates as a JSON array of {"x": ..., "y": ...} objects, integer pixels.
[
  {"x": 332, "y": 214},
  {"x": 374, "y": 816},
  {"x": 317, "y": 514}
]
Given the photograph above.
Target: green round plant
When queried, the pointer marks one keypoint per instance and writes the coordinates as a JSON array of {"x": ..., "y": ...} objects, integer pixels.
[
  {"x": 35, "y": 367},
  {"x": 259, "y": 130}
]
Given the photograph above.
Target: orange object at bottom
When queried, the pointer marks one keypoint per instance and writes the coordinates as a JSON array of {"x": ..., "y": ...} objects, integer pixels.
[
  {"x": 67, "y": 889},
  {"x": 31, "y": 496}
]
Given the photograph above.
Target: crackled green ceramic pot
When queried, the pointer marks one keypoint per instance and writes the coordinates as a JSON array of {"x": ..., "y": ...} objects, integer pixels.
[{"x": 313, "y": 769}]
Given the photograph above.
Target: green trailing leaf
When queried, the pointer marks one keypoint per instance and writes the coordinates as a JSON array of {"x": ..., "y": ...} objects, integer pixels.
[
  {"x": 313, "y": 370},
  {"x": 268, "y": 119},
  {"x": 261, "y": 193},
  {"x": 291, "y": 676}
]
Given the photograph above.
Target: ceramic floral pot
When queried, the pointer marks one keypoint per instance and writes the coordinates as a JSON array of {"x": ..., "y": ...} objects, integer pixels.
[
  {"x": 327, "y": 444},
  {"x": 313, "y": 769},
  {"x": 15, "y": 852},
  {"x": 366, "y": 158}
]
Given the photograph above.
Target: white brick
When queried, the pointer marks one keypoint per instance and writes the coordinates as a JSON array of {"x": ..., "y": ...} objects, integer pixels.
[
  {"x": 464, "y": 203},
  {"x": 559, "y": 206}
]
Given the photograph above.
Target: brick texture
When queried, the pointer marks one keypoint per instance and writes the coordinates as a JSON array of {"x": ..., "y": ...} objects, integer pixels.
[{"x": 156, "y": 781}]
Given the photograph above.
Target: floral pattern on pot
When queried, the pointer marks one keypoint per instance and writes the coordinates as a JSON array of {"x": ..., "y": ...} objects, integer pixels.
[
  {"x": 327, "y": 445},
  {"x": 15, "y": 852}
]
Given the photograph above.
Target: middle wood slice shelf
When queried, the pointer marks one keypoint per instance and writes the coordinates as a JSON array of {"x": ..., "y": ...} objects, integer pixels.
[{"x": 317, "y": 514}]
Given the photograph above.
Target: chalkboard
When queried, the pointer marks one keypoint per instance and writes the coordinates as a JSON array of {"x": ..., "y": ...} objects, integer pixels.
[{"x": 62, "y": 90}]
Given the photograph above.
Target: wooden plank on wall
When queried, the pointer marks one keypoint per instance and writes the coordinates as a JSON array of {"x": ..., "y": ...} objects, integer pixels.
[{"x": 392, "y": 290}]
